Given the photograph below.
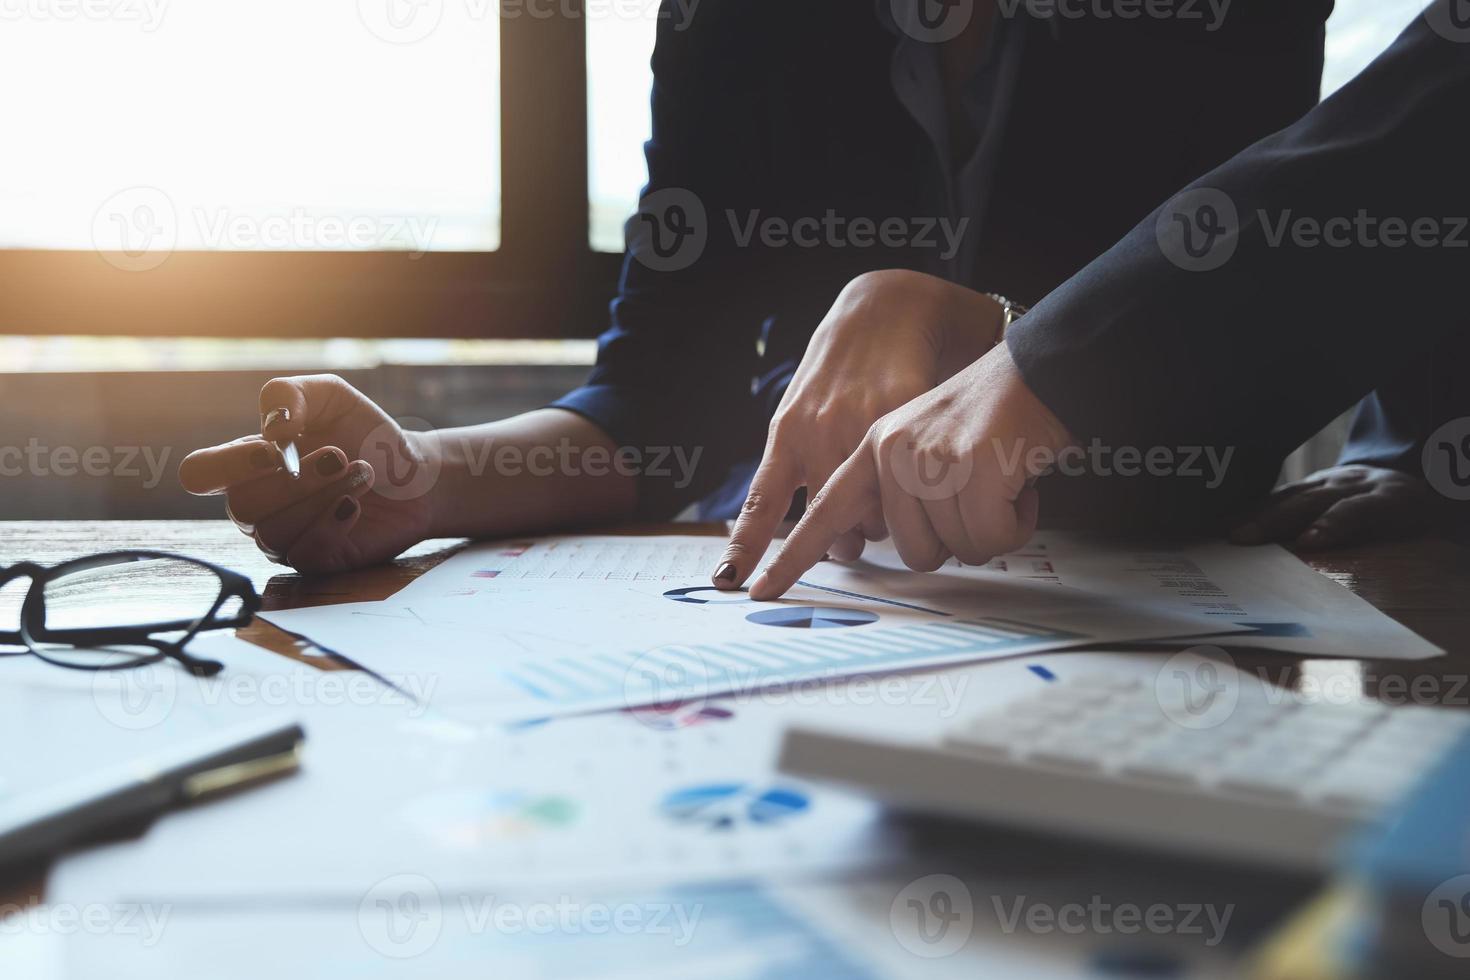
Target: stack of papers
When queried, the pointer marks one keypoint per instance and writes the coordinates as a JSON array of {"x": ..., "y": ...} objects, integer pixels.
[
  {"x": 409, "y": 845},
  {"x": 461, "y": 812},
  {"x": 511, "y": 631}
]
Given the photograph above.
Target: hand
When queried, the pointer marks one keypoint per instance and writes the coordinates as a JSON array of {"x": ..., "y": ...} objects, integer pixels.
[
  {"x": 890, "y": 337},
  {"x": 949, "y": 473},
  {"x": 330, "y": 519},
  {"x": 1340, "y": 506}
]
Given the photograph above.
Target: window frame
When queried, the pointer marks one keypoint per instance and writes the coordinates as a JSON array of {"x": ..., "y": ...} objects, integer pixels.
[{"x": 544, "y": 281}]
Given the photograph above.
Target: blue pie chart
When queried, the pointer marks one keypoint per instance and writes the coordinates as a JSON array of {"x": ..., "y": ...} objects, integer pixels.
[
  {"x": 812, "y": 617},
  {"x": 725, "y": 806},
  {"x": 706, "y": 595}
]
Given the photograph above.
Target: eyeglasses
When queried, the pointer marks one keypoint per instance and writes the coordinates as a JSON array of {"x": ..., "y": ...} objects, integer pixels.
[{"x": 125, "y": 609}]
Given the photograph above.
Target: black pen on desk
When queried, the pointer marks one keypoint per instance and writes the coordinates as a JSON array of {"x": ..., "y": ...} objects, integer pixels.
[{"x": 290, "y": 455}]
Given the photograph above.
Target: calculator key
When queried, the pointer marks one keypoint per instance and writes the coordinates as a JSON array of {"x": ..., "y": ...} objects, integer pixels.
[
  {"x": 1280, "y": 784},
  {"x": 1361, "y": 787},
  {"x": 1165, "y": 769},
  {"x": 1069, "y": 754},
  {"x": 991, "y": 740}
]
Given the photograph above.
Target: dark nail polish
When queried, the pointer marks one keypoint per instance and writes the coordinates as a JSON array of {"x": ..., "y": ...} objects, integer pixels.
[
  {"x": 346, "y": 509},
  {"x": 725, "y": 573},
  {"x": 261, "y": 460},
  {"x": 329, "y": 465}
]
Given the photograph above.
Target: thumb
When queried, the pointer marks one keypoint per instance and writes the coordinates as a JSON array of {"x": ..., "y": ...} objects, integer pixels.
[{"x": 290, "y": 407}]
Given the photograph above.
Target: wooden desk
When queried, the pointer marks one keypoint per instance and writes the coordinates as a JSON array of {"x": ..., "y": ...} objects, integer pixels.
[{"x": 1423, "y": 584}]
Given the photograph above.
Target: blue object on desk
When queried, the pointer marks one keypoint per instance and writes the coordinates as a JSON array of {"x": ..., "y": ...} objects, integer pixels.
[{"x": 1416, "y": 873}]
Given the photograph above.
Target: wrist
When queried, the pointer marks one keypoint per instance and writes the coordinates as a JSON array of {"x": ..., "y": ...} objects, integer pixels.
[
  {"x": 426, "y": 450},
  {"x": 1046, "y": 428},
  {"x": 970, "y": 324}
]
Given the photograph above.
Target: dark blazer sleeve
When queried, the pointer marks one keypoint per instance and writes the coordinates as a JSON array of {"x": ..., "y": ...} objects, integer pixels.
[
  {"x": 668, "y": 366},
  {"x": 680, "y": 367},
  {"x": 1254, "y": 350}
]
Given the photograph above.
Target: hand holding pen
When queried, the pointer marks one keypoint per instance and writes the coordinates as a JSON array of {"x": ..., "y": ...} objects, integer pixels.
[
  {"x": 276, "y": 418},
  {"x": 302, "y": 487}
]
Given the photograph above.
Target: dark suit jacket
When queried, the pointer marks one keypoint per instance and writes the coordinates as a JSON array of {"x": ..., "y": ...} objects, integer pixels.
[
  {"x": 788, "y": 108},
  {"x": 1259, "y": 353}
]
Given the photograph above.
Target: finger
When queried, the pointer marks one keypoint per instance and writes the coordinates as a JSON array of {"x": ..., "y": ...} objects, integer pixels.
[
  {"x": 1284, "y": 519},
  {"x": 279, "y": 532},
  {"x": 217, "y": 468},
  {"x": 1357, "y": 518},
  {"x": 253, "y": 502},
  {"x": 1250, "y": 531},
  {"x": 1028, "y": 516},
  {"x": 1300, "y": 486},
  {"x": 944, "y": 516},
  {"x": 995, "y": 523},
  {"x": 326, "y": 544},
  {"x": 244, "y": 527},
  {"x": 848, "y": 546},
  {"x": 267, "y": 550},
  {"x": 290, "y": 407},
  {"x": 849, "y": 497},
  {"x": 875, "y": 528},
  {"x": 914, "y": 536},
  {"x": 765, "y": 505}
]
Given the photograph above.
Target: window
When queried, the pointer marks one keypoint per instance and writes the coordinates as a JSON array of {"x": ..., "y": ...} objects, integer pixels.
[
  {"x": 1359, "y": 31},
  {"x": 280, "y": 168},
  {"x": 268, "y": 125},
  {"x": 619, "y": 79},
  {"x": 367, "y": 168}
]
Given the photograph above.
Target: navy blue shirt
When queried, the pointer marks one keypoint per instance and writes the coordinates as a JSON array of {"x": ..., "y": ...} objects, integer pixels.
[
  {"x": 769, "y": 114},
  {"x": 1258, "y": 352}
]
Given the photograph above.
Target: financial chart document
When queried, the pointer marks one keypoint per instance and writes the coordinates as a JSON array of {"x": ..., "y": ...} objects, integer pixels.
[{"x": 531, "y": 628}]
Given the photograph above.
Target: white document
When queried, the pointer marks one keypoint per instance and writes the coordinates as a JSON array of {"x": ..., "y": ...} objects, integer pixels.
[
  {"x": 615, "y": 798},
  {"x": 409, "y": 930},
  {"x": 645, "y": 798},
  {"x": 509, "y": 631},
  {"x": 411, "y": 841},
  {"x": 79, "y": 724},
  {"x": 1264, "y": 597},
  {"x": 914, "y": 924}
]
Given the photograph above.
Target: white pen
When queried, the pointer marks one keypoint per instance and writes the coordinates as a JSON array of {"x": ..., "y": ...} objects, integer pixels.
[{"x": 290, "y": 455}]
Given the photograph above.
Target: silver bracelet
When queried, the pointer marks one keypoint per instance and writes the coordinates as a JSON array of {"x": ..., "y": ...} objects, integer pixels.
[{"x": 1009, "y": 313}]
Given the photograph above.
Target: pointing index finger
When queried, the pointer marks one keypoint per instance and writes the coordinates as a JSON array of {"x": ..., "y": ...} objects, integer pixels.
[
  {"x": 849, "y": 496},
  {"x": 765, "y": 505}
]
